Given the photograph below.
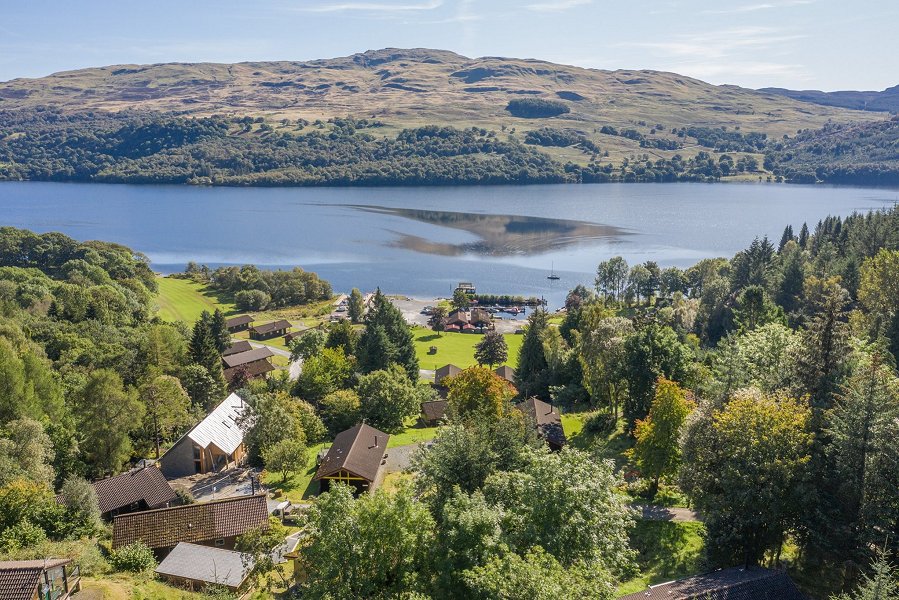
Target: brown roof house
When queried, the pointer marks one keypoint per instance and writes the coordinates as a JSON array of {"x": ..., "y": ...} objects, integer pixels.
[
  {"x": 548, "y": 421},
  {"x": 237, "y": 347},
  {"x": 267, "y": 331},
  {"x": 253, "y": 362},
  {"x": 433, "y": 411},
  {"x": 355, "y": 458},
  {"x": 136, "y": 490},
  {"x": 239, "y": 323},
  {"x": 216, "y": 523},
  {"x": 736, "y": 583},
  {"x": 506, "y": 372},
  {"x": 291, "y": 336},
  {"x": 213, "y": 444},
  {"x": 444, "y": 372},
  {"x": 51, "y": 578},
  {"x": 195, "y": 567}
]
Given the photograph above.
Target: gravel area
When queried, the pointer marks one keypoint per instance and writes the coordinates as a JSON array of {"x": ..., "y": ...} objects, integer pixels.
[{"x": 412, "y": 307}]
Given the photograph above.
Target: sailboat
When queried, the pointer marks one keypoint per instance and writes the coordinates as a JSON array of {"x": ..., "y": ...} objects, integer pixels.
[{"x": 552, "y": 273}]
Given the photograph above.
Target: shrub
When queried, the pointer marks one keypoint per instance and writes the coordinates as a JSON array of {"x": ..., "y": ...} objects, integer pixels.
[
  {"x": 252, "y": 300},
  {"x": 600, "y": 423},
  {"x": 136, "y": 557},
  {"x": 23, "y": 534},
  {"x": 532, "y": 108}
]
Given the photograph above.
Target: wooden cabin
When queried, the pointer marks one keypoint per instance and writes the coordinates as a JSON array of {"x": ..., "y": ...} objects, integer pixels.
[
  {"x": 213, "y": 444},
  {"x": 433, "y": 411},
  {"x": 42, "y": 579},
  {"x": 239, "y": 323},
  {"x": 253, "y": 362},
  {"x": 139, "y": 489},
  {"x": 267, "y": 331},
  {"x": 444, "y": 372},
  {"x": 291, "y": 336},
  {"x": 506, "y": 372},
  {"x": 548, "y": 421},
  {"x": 355, "y": 458},
  {"x": 195, "y": 567},
  {"x": 237, "y": 347}
]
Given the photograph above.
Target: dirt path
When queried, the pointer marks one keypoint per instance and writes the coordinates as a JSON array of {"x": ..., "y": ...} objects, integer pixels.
[{"x": 649, "y": 512}]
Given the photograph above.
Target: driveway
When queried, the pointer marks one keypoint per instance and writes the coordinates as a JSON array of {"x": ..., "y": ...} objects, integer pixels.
[
  {"x": 649, "y": 512},
  {"x": 215, "y": 486}
]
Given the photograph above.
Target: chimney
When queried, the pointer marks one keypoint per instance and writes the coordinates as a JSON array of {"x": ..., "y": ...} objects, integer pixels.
[{"x": 376, "y": 441}]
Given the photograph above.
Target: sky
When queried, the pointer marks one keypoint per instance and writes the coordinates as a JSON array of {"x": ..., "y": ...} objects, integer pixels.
[{"x": 799, "y": 44}]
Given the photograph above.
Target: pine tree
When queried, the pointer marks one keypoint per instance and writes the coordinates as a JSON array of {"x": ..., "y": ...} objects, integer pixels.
[
  {"x": 786, "y": 237},
  {"x": 803, "y": 236},
  {"x": 532, "y": 373},
  {"x": 204, "y": 350},
  {"x": 219, "y": 328},
  {"x": 881, "y": 584},
  {"x": 355, "y": 308},
  {"x": 375, "y": 350},
  {"x": 401, "y": 347}
]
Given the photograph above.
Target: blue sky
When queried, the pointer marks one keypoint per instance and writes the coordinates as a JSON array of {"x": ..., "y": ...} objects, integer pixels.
[{"x": 821, "y": 44}]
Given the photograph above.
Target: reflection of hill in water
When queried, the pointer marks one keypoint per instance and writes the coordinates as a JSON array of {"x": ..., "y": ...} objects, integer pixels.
[{"x": 500, "y": 235}]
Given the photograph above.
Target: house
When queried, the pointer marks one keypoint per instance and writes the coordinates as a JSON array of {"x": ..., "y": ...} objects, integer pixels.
[
  {"x": 212, "y": 445},
  {"x": 217, "y": 523},
  {"x": 237, "y": 347},
  {"x": 548, "y": 421},
  {"x": 443, "y": 372},
  {"x": 736, "y": 583},
  {"x": 51, "y": 578},
  {"x": 506, "y": 372},
  {"x": 136, "y": 490},
  {"x": 239, "y": 323},
  {"x": 195, "y": 567},
  {"x": 355, "y": 458},
  {"x": 253, "y": 362},
  {"x": 267, "y": 331},
  {"x": 456, "y": 320},
  {"x": 291, "y": 336},
  {"x": 433, "y": 411},
  {"x": 480, "y": 320},
  {"x": 466, "y": 287}
]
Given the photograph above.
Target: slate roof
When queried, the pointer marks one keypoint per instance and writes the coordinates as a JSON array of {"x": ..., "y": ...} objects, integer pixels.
[
  {"x": 433, "y": 410},
  {"x": 359, "y": 450},
  {"x": 220, "y": 426},
  {"x": 237, "y": 347},
  {"x": 736, "y": 583},
  {"x": 207, "y": 564},
  {"x": 19, "y": 578},
  {"x": 239, "y": 320},
  {"x": 148, "y": 484},
  {"x": 444, "y": 372},
  {"x": 506, "y": 372},
  {"x": 242, "y": 358},
  {"x": 201, "y": 522},
  {"x": 547, "y": 418},
  {"x": 273, "y": 326}
]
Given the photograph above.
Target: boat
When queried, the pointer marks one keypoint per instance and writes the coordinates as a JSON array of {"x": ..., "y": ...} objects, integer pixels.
[{"x": 552, "y": 273}]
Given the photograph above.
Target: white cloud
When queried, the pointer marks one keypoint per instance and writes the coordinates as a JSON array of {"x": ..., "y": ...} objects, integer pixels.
[
  {"x": 749, "y": 8},
  {"x": 557, "y": 5},
  {"x": 374, "y": 6}
]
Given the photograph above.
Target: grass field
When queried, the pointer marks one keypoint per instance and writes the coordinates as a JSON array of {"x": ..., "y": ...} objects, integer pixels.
[
  {"x": 185, "y": 300},
  {"x": 666, "y": 550},
  {"x": 456, "y": 348}
]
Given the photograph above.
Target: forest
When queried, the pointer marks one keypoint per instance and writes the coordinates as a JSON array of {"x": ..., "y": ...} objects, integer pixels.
[
  {"x": 136, "y": 147},
  {"x": 777, "y": 365}
]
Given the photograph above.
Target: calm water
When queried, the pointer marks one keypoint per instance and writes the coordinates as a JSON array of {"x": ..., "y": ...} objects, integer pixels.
[{"x": 422, "y": 241}]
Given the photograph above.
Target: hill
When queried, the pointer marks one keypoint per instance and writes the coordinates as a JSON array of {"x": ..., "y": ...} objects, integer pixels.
[
  {"x": 407, "y": 88},
  {"x": 885, "y": 101}
]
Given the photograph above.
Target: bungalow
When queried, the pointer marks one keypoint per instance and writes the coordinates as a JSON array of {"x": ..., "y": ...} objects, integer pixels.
[
  {"x": 55, "y": 578},
  {"x": 355, "y": 458},
  {"x": 253, "y": 362},
  {"x": 239, "y": 323},
  {"x": 217, "y": 523},
  {"x": 139, "y": 489},
  {"x": 196, "y": 567},
  {"x": 267, "y": 331},
  {"x": 291, "y": 336},
  {"x": 433, "y": 411},
  {"x": 547, "y": 420},
  {"x": 443, "y": 372},
  {"x": 456, "y": 320},
  {"x": 237, "y": 347},
  {"x": 212, "y": 445},
  {"x": 506, "y": 372},
  {"x": 479, "y": 318},
  {"x": 736, "y": 583}
]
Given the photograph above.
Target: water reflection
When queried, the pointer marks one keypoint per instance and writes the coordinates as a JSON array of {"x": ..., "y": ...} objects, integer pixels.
[{"x": 498, "y": 235}]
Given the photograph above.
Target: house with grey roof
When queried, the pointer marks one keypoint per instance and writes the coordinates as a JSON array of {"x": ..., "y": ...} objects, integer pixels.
[
  {"x": 195, "y": 567},
  {"x": 213, "y": 444}
]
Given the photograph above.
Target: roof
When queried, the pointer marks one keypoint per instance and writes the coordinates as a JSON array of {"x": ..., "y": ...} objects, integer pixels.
[
  {"x": 237, "y": 347},
  {"x": 242, "y": 358},
  {"x": 479, "y": 315},
  {"x": 292, "y": 335},
  {"x": 444, "y": 372},
  {"x": 207, "y": 564},
  {"x": 253, "y": 369},
  {"x": 239, "y": 320},
  {"x": 220, "y": 426},
  {"x": 546, "y": 417},
  {"x": 433, "y": 410},
  {"x": 273, "y": 326},
  {"x": 736, "y": 583},
  {"x": 19, "y": 578},
  {"x": 204, "y": 521},
  {"x": 359, "y": 450},
  {"x": 146, "y": 484},
  {"x": 506, "y": 372}
]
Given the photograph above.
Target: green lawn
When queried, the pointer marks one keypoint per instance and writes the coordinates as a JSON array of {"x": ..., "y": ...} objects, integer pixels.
[
  {"x": 611, "y": 445},
  {"x": 666, "y": 550},
  {"x": 185, "y": 300},
  {"x": 456, "y": 348},
  {"x": 412, "y": 435},
  {"x": 299, "y": 486}
]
